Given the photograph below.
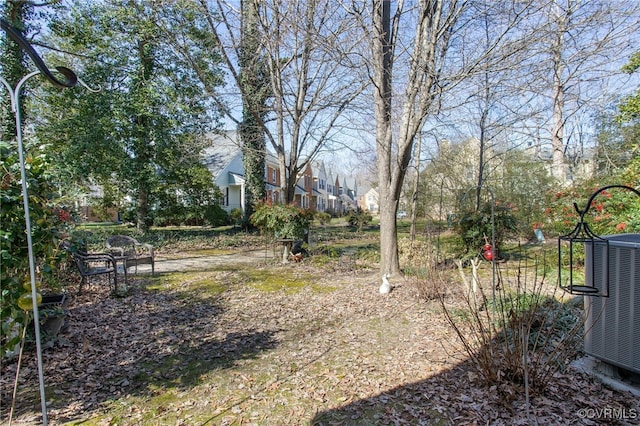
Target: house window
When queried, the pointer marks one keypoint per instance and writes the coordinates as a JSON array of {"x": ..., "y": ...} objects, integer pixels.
[
  {"x": 274, "y": 176},
  {"x": 226, "y": 196}
]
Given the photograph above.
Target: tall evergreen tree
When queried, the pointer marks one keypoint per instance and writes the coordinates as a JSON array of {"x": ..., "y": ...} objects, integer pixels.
[{"x": 144, "y": 128}]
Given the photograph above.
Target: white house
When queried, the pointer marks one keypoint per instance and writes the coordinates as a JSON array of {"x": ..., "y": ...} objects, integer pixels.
[
  {"x": 224, "y": 160},
  {"x": 370, "y": 201},
  {"x": 316, "y": 189}
]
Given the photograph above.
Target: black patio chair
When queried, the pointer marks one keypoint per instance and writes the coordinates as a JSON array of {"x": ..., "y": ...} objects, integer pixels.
[{"x": 93, "y": 264}]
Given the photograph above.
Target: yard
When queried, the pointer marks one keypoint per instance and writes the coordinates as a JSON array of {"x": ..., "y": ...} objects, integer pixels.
[{"x": 270, "y": 344}]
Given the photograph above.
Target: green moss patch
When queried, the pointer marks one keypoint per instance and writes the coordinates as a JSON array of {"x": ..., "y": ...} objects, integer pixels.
[
  {"x": 290, "y": 281},
  {"x": 212, "y": 283},
  {"x": 207, "y": 284}
]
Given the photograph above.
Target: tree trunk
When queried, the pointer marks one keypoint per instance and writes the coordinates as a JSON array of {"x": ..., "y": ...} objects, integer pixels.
[
  {"x": 483, "y": 143},
  {"x": 254, "y": 88},
  {"x": 253, "y": 160},
  {"x": 382, "y": 68},
  {"x": 557, "y": 132},
  {"x": 142, "y": 211},
  {"x": 389, "y": 259},
  {"x": 414, "y": 195},
  {"x": 145, "y": 171}
]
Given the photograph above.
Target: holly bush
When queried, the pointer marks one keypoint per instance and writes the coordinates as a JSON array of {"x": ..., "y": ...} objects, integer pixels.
[
  {"x": 322, "y": 217},
  {"x": 49, "y": 223},
  {"x": 612, "y": 211}
]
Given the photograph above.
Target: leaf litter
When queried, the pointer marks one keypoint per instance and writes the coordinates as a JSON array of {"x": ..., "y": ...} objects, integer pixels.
[{"x": 246, "y": 356}]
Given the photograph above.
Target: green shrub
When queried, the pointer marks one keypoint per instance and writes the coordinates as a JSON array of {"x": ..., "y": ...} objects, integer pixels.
[
  {"x": 216, "y": 215},
  {"x": 474, "y": 227},
  {"x": 323, "y": 218},
  {"x": 612, "y": 211},
  {"x": 281, "y": 221},
  {"x": 359, "y": 218},
  {"x": 235, "y": 216},
  {"x": 177, "y": 215}
]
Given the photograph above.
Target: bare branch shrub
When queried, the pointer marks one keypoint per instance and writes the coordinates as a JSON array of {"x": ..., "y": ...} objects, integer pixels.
[
  {"x": 433, "y": 275},
  {"x": 527, "y": 322}
]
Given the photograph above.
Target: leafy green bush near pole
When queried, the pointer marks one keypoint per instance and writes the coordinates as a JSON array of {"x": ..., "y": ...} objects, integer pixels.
[
  {"x": 474, "y": 228},
  {"x": 49, "y": 224},
  {"x": 359, "y": 218}
]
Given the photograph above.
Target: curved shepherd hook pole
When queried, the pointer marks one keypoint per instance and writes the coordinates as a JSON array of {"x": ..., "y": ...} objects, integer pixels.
[
  {"x": 582, "y": 213},
  {"x": 70, "y": 80},
  {"x": 582, "y": 234},
  {"x": 70, "y": 77}
]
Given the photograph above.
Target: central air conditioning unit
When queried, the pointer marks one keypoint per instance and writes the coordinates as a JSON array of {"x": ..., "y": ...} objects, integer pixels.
[{"x": 612, "y": 328}]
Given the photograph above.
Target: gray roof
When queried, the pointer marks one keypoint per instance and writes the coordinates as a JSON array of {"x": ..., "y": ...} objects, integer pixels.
[
  {"x": 346, "y": 199},
  {"x": 224, "y": 148}
]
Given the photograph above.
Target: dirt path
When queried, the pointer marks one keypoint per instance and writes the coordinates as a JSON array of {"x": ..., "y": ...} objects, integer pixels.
[{"x": 202, "y": 261}]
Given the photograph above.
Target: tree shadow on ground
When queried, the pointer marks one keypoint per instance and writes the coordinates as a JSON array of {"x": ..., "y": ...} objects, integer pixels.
[
  {"x": 458, "y": 396},
  {"x": 558, "y": 393},
  {"x": 116, "y": 347},
  {"x": 426, "y": 402}
]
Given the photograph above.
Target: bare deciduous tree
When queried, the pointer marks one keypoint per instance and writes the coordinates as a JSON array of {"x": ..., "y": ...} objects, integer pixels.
[
  {"x": 579, "y": 41},
  {"x": 315, "y": 75},
  {"x": 308, "y": 49},
  {"x": 403, "y": 105}
]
